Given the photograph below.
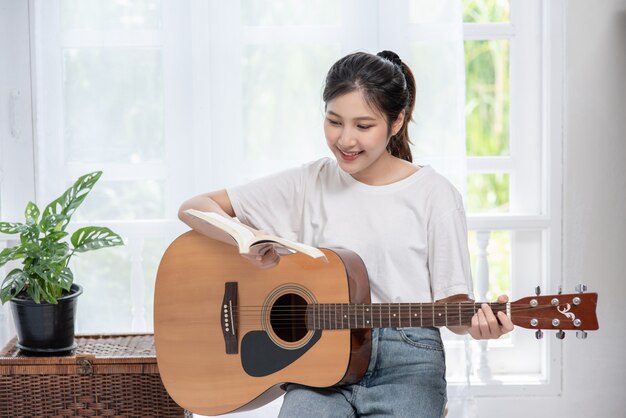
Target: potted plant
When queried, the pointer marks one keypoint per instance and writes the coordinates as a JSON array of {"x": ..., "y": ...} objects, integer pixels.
[{"x": 42, "y": 292}]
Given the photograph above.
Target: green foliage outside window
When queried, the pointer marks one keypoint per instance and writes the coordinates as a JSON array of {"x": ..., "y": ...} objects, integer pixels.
[{"x": 483, "y": 11}]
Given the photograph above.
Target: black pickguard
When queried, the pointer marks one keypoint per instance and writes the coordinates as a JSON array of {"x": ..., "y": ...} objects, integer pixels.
[{"x": 260, "y": 356}]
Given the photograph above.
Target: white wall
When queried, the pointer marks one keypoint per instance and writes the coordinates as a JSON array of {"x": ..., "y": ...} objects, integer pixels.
[{"x": 594, "y": 214}]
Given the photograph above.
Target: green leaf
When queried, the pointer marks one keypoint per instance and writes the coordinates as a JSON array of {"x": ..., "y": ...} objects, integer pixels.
[
  {"x": 67, "y": 203},
  {"x": 12, "y": 228},
  {"x": 55, "y": 236},
  {"x": 35, "y": 293},
  {"x": 31, "y": 213},
  {"x": 66, "y": 278},
  {"x": 12, "y": 285},
  {"x": 94, "y": 238},
  {"x": 57, "y": 252},
  {"x": 30, "y": 235},
  {"x": 9, "y": 254},
  {"x": 52, "y": 222}
]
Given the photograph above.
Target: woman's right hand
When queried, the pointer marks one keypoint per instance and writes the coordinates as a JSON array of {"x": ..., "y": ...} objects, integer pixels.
[{"x": 263, "y": 256}]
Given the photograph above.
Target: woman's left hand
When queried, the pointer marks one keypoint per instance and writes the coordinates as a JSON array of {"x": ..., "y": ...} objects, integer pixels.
[{"x": 485, "y": 325}]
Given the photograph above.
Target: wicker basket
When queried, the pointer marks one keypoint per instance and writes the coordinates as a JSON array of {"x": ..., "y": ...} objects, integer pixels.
[{"x": 107, "y": 376}]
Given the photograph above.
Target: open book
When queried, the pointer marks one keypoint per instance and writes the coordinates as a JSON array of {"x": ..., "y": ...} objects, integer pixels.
[{"x": 246, "y": 239}]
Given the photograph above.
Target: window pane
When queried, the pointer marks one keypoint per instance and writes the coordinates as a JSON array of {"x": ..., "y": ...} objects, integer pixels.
[
  {"x": 282, "y": 99},
  {"x": 110, "y": 15},
  {"x": 498, "y": 260},
  {"x": 488, "y": 193},
  {"x": 124, "y": 200},
  {"x": 487, "y": 97},
  {"x": 153, "y": 250},
  {"x": 432, "y": 11},
  {"x": 437, "y": 92},
  {"x": 483, "y": 11},
  {"x": 105, "y": 305},
  {"x": 288, "y": 12},
  {"x": 113, "y": 105}
]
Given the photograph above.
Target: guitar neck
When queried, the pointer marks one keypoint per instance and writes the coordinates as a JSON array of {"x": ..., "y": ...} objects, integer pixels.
[{"x": 389, "y": 315}]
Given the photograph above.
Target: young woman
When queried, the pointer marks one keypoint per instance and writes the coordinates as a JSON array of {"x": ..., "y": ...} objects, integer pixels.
[{"x": 407, "y": 223}]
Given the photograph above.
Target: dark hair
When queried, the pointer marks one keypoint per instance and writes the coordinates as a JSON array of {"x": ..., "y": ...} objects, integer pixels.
[{"x": 387, "y": 84}]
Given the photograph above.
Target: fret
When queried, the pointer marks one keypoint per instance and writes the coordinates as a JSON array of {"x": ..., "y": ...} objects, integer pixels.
[
  {"x": 421, "y": 316},
  {"x": 410, "y": 315},
  {"x": 433, "y": 308},
  {"x": 342, "y": 316},
  {"x": 349, "y": 327},
  {"x": 363, "y": 316},
  {"x": 326, "y": 317},
  {"x": 460, "y": 316},
  {"x": 316, "y": 316},
  {"x": 399, "y": 314}
]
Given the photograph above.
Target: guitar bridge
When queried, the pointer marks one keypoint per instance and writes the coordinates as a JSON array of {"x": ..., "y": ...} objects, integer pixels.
[{"x": 228, "y": 317}]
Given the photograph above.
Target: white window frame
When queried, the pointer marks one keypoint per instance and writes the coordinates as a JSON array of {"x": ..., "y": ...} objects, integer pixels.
[
  {"x": 212, "y": 135},
  {"x": 543, "y": 79}
]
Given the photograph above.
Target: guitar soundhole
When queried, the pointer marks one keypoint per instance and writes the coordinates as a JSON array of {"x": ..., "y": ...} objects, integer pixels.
[{"x": 288, "y": 317}]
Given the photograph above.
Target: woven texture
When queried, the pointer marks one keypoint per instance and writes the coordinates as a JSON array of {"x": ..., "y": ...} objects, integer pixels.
[{"x": 106, "y": 376}]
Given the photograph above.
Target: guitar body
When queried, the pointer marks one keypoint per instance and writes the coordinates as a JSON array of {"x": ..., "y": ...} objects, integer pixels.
[{"x": 193, "y": 321}]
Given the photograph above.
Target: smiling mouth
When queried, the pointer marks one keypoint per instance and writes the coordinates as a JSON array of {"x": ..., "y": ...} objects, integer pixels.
[{"x": 350, "y": 154}]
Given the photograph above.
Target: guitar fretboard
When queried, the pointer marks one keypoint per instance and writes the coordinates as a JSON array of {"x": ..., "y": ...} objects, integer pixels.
[{"x": 390, "y": 315}]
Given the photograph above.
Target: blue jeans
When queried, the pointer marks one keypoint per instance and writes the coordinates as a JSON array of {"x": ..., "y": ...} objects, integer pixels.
[{"x": 405, "y": 378}]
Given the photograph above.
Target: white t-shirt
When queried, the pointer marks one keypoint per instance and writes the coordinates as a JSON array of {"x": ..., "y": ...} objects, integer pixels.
[{"x": 411, "y": 234}]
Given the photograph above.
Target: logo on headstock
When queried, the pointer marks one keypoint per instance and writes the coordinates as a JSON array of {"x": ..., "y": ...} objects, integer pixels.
[{"x": 565, "y": 311}]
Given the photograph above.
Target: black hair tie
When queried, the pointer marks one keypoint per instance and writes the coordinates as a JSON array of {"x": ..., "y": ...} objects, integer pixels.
[{"x": 390, "y": 56}]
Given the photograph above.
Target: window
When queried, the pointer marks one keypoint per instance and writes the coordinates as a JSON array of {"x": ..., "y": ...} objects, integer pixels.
[
  {"x": 110, "y": 78},
  {"x": 173, "y": 98},
  {"x": 511, "y": 167}
]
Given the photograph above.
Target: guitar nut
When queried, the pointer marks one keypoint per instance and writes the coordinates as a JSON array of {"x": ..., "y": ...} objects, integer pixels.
[
  {"x": 577, "y": 322},
  {"x": 534, "y": 303},
  {"x": 576, "y": 301},
  {"x": 534, "y": 322},
  {"x": 555, "y": 322}
]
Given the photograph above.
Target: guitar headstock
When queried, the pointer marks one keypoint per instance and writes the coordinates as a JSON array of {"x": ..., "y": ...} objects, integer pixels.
[{"x": 574, "y": 311}]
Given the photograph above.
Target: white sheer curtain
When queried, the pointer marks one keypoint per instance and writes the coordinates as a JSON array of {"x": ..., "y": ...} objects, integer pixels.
[{"x": 172, "y": 98}]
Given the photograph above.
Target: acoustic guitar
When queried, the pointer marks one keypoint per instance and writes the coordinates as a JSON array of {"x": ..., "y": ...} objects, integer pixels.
[{"x": 228, "y": 335}]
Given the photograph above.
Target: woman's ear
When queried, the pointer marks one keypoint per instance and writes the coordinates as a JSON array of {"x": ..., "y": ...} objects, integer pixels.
[{"x": 397, "y": 124}]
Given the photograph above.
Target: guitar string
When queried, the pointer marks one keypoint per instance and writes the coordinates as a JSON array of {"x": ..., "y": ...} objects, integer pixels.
[
  {"x": 288, "y": 319},
  {"x": 395, "y": 309}
]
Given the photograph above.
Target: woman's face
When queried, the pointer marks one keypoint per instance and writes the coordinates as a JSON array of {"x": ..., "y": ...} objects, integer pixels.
[{"x": 358, "y": 135}]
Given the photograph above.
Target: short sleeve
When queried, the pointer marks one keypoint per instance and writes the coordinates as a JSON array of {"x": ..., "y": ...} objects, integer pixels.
[
  {"x": 272, "y": 203},
  {"x": 448, "y": 255}
]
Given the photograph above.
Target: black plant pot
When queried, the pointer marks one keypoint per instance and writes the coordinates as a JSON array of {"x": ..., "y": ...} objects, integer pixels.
[{"x": 45, "y": 328}]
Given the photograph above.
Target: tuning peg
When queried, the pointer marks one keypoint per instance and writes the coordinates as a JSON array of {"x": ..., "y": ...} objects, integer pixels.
[
  {"x": 539, "y": 334},
  {"x": 559, "y": 290},
  {"x": 581, "y": 288},
  {"x": 581, "y": 335},
  {"x": 560, "y": 335},
  {"x": 538, "y": 290}
]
